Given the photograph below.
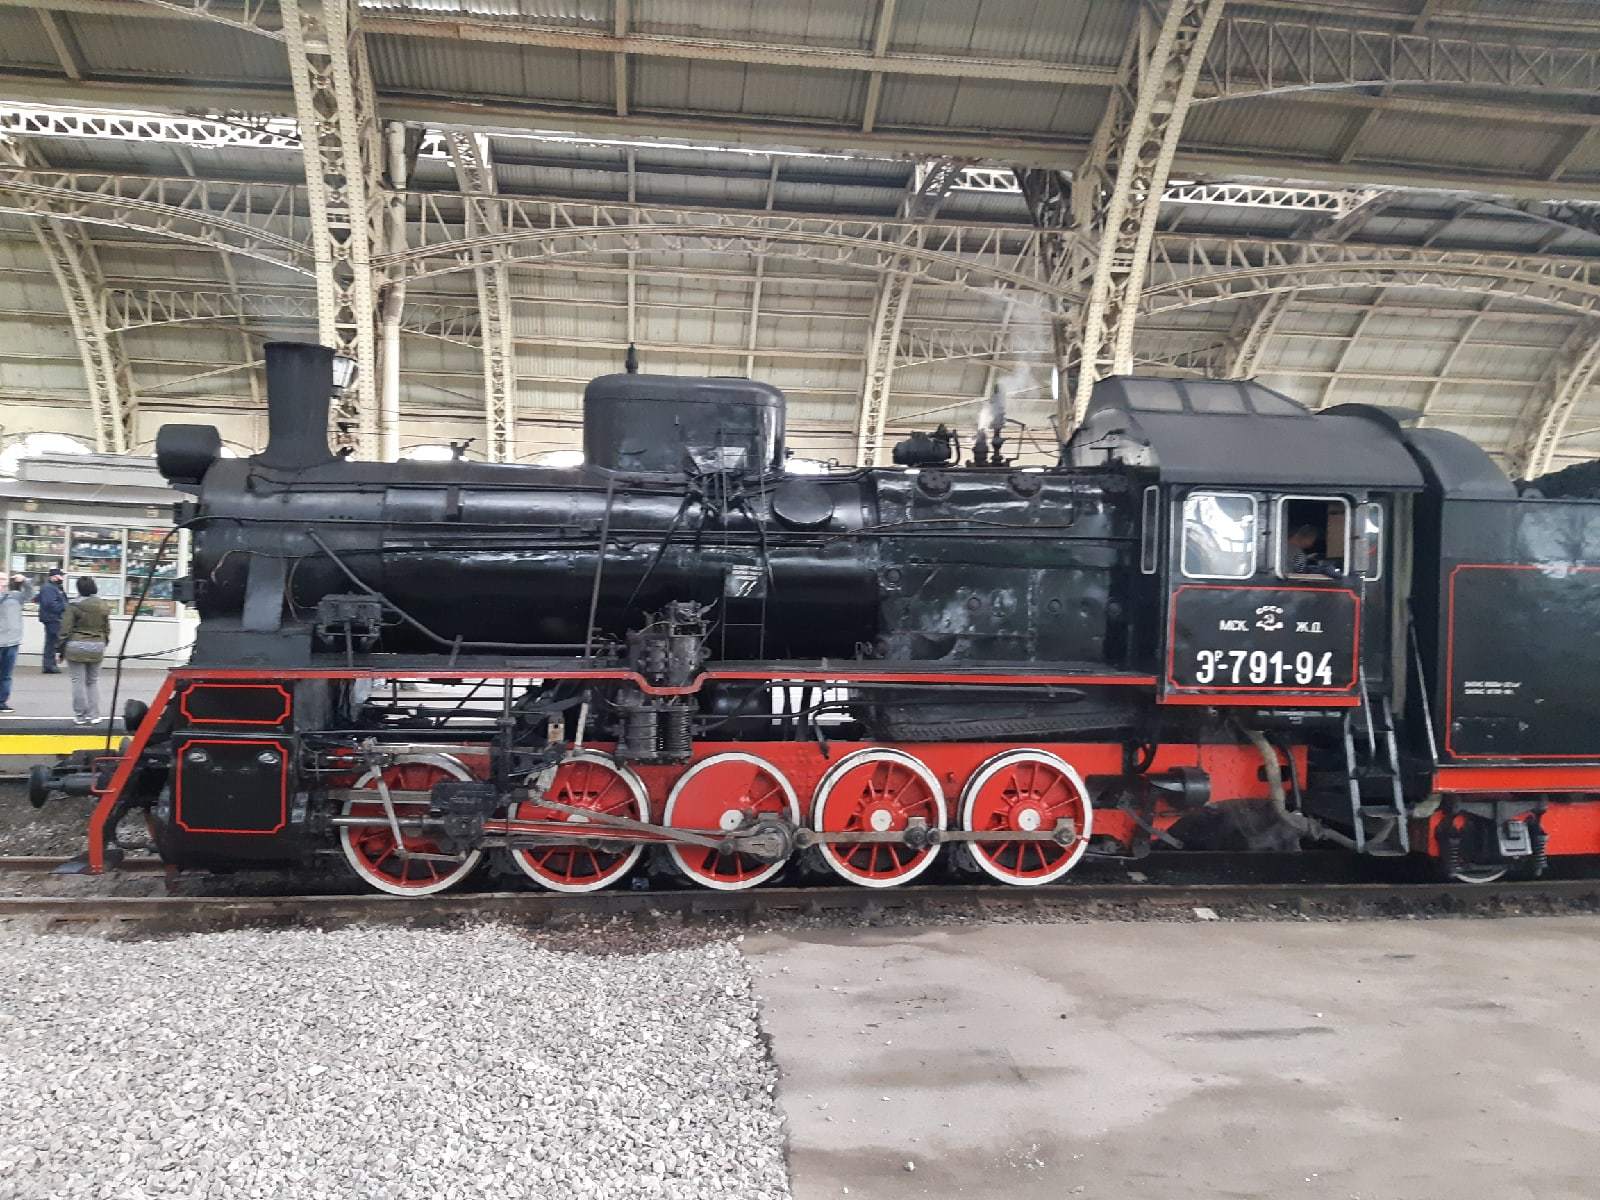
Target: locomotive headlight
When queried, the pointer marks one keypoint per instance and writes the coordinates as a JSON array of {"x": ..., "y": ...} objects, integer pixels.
[{"x": 344, "y": 371}]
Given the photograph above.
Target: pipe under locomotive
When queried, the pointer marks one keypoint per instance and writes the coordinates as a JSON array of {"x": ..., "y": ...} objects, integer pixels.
[{"x": 681, "y": 658}]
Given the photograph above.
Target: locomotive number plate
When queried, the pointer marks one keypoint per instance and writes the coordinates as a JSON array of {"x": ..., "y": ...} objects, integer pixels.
[{"x": 1263, "y": 639}]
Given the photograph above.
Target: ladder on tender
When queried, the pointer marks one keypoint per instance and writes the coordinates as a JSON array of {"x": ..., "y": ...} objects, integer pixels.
[{"x": 1378, "y": 813}]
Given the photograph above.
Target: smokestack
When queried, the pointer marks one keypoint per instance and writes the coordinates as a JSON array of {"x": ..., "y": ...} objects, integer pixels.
[{"x": 299, "y": 391}]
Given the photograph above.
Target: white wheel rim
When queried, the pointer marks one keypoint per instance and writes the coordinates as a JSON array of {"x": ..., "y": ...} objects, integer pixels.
[
  {"x": 456, "y": 770},
  {"x": 825, "y": 788},
  {"x": 791, "y": 801},
  {"x": 641, "y": 803},
  {"x": 975, "y": 786}
]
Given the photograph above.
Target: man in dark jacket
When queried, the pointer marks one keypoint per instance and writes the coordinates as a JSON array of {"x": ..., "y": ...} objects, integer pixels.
[{"x": 52, "y": 604}]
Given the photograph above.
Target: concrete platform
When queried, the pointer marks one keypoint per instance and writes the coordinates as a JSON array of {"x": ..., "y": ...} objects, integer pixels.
[
  {"x": 41, "y": 728},
  {"x": 1436, "y": 1060},
  {"x": 38, "y": 697}
]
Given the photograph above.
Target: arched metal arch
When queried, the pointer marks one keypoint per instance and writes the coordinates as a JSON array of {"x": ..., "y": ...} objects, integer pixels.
[
  {"x": 1574, "y": 289},
  {"x": 978, "y": 257},
  {"x": 218, "y": 216},
  {"x": 931, "y": 268}
]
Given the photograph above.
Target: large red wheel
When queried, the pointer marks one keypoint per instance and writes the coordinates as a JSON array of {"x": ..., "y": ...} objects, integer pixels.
[
  {"x": 584, "y": 779},
  {"x": 720, "y": 794},
  {"x": 1026, "y": 791},
  {"x": 372, "y": 851},
  {"x": 877, "y": 791}
]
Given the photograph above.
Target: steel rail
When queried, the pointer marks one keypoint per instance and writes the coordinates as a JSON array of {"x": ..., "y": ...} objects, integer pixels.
[{"x": 202, "y": 912}]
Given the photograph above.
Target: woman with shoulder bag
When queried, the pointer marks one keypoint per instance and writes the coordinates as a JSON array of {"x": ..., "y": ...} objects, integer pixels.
[{"x": 85, "y": 630}]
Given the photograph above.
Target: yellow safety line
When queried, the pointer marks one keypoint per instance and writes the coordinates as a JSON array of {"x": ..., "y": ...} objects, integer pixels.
[{"x": 52, "y": 743}]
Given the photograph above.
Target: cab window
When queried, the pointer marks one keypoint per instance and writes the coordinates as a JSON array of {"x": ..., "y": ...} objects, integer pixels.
[
  {"x": 1219, "y": 535},
  {"x": 1313, "y": 537},
  {"x": 1150, "y": 532}
]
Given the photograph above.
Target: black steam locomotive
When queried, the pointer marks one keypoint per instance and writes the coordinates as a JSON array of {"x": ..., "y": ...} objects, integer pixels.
[{"x": 1221, "y": 621}]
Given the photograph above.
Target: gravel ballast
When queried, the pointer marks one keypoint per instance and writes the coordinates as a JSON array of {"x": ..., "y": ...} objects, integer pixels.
[{"x": 381, "y": 1062}]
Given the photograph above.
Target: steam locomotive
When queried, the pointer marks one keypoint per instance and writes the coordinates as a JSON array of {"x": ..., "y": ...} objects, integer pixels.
[{"x": 1220, "y": 621}]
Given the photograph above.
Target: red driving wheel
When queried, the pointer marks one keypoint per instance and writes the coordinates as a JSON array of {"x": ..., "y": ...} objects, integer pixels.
[
  {"x": 586, "y": 780},
  {"x": 720, "y": 794},
  {"x": 1027, "y": 791},
  {"x": 877, "y": 791},
  {"x": 373, "y": 851}
]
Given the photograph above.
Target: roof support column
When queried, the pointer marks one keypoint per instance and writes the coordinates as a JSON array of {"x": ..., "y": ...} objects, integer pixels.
[
  {"x": 76, "y": 268},
  {"x": 1117, "y": 193},
  {"x": 469, "y": 152},
  {"x": 336, "y": 110},
  {"x": 398, "y": 144}
]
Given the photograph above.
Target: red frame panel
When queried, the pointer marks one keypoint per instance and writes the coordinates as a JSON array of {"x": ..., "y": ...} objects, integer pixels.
[
  {"x": 283, "y": 785},
  {"x": 1516, "y": 779},
  {"x": 283, "y": 694}
]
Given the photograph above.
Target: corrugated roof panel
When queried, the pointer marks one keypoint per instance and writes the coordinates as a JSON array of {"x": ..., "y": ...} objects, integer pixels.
[
  {"x": 810, "y": 197},
  {"x": 543, "y": 12},
  {"x": 23, "y": 42},
  {"x": 1541, "y": 334},
  {"x": 1503, "y": 146},
  {"x": 687, "y": 85},
  {"x": 917, "y": 101},
  {"x": 1002, "y": 104},
  {"x": 192, "y": 51},
  {"x": 1078, "y": 110},
  {"x": 846, "y": 23},
  {"x": 1491, "y": 362},
  {"x": 1268, "y": 123},
  {"x": 1055, "y": 31},
  {"x": 482, "y": 68},
  {"x": 1227, "y": 220},
  {"x": 701, "y": 190}
]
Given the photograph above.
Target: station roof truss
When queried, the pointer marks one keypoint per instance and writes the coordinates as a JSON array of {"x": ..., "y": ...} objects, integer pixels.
[{"x": 891, "y": 210}]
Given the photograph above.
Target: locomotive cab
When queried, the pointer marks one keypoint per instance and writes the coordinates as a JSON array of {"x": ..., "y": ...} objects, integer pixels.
[{"x": 1268, "y": 540}]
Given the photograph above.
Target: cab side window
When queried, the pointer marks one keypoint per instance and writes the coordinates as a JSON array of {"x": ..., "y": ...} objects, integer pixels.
[
  {"x": 1219, "y": 535},
  {"x": 1313, "y": 537},
  {"x": 1150, "y": 532}
]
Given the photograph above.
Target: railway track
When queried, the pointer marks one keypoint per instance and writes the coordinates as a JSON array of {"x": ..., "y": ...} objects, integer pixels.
[{"x": 1151, "y": 900}]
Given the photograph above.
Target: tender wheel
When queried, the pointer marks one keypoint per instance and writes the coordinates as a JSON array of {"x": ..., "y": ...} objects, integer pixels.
[
  {"x": 1463, "y": 838},
  {"x": 371, "y": 850},
  {"x": 584, "y": 779},
  {"x": 725, "y": 792},
  {"x": 1471, "y": 874},
  {"x": 1026, "y": 790},
  {"x": 877, "y": 791}
]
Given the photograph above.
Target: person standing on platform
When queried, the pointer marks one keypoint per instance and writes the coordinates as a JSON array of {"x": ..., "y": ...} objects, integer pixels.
[
  {"x": 52, "y": 604},
  {"x": 84, "y": 633},
  {"x": 11, "y": 602}
]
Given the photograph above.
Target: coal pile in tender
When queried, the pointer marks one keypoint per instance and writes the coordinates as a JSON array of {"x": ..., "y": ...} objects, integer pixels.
[{"x": 366, "y": 1063}]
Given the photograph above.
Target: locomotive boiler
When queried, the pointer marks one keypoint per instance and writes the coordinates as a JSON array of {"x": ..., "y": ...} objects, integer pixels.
[{"x": 1219, "y": 620}]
